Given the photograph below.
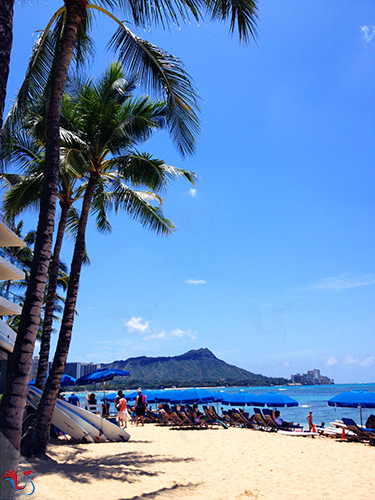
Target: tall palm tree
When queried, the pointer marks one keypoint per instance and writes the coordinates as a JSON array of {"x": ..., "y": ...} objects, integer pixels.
[
  {"x": 103, "y": 123},
  {"x": 24, "y": 150},
  {"x": 160, "y": 72},
  {"x": 6, "y": 41}
]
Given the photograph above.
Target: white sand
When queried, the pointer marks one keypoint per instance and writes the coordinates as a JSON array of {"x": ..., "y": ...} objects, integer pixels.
[{"x": 160, "y": 463}]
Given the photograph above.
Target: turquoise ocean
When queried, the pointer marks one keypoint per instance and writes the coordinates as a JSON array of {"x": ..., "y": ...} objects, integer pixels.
[{"x": 310, "y": 398}]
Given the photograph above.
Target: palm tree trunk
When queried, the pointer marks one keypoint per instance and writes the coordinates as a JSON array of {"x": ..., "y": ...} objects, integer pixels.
[
  {"x": 34, "y": 443},
  {"x": 6, "y": 42},
  {"x": 50, "y": 301},
  {"x": 13, "y": 401}
]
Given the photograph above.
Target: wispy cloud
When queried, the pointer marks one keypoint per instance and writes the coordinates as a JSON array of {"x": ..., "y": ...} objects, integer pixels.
[
  {"x": 331, "y": 361},
  {"x": 177, "y": 333},
  {"x": 149, "y": 332},
  {"x": 368, "y": 361},
  {"x": 339, "y": 283},
  {"x": 196, "y": 282},
  {"x": 368, "y": 33},
  {"x": 137, "y": 325},
  {"x": 350, "y": 360},
  {"x": 193, "y": 192}
]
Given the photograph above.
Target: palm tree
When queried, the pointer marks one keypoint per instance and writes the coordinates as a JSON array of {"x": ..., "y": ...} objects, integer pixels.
[
  {"x": 24, "y": 149},
  {"x": 160, "y": 72},
  {"x": 6, "y": 41},
  {"x": 103, "y": 123}
]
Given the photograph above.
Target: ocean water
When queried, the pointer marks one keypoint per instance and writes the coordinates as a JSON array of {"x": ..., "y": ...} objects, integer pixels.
[{"x": 310, "y": 398}]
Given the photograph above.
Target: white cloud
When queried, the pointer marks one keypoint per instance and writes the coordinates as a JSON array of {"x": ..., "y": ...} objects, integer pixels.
[
  {"x": 286, "y": 364},
  {"x": 193, "y": 192},
  {"x": 341, "y": 282},
  {"x": 161, "y": 335},
  {"x": 368, "y": 361},
  {"x": 331, "y": 361},
  {"x": 183, "y": 333},
  {"x": 350, "y": 360},
  {"x": 195, "y": 282},
  {"x": 177, "y": 333},
  {"x": 137, "y": 325},
  {"x": 368, "y": 33}
]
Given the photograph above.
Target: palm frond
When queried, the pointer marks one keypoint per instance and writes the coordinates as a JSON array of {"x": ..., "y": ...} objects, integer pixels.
[
  {"x": 39, "y": 73},
  {"x": 19, "y": 149},
  {"x": 143, "y": 169},
  {"x": 243, "y": 13},
  {"x": 163, "y": 74},
  {"x": 165, "y": 13},
  {"x": 136, "y": 204},
  {"x": 24, "y": 195}
]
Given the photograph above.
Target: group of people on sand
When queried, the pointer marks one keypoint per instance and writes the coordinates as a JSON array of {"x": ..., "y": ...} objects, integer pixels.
[
  {"x": 123, "y": 413},
  {"x": 139, "y": 408}
]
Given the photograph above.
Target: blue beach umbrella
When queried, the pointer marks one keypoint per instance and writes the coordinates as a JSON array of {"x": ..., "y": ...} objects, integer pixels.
[
  {"x": 165, "y": 396},
  {"x": 219, "y": 396},
  {"x": 66, "y": 381},
  {"x": 354, "y": 399},
  {"x": 191, "y": 396},
  {"x": 274, "y": 400},
  {"x": 110, "y": 398},
  {"x": 151, "y": 396},
  {"x": 102, "y": 375},
  {"x": 238, "y": 399}
]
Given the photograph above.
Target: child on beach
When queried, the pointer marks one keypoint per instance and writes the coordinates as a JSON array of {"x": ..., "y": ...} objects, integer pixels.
[
  {"x": 123, "y": 416},
  {"x": 310, "y": 421}
]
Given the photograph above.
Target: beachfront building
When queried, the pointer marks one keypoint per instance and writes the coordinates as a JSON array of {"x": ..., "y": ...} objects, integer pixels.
[
  {"x": 10, "y": 269},
  {"x": 78, "y": 369},
  {"x": 311, "y": 377}
]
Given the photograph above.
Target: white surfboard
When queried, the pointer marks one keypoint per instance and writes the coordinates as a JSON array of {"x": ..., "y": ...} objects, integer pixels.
[
  {"x": 297, "y": 433},
  {"x": 103, "y": 430},
  {"x": 94, "y": 433},
  {"x": 112, "y": 431},
  {"x": 61, "y": 420}
]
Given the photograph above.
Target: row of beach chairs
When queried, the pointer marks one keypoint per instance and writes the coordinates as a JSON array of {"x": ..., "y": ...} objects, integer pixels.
[
  {"x": 261, "y": 420},
  {"x": 181, "y": 416}
]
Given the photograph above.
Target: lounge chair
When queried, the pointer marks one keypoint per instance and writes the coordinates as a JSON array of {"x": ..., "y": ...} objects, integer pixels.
[
  {"x": 230, "y": 419},
  {"x": 274, "y": 425},
  {"x": 363, "y": 433},
  {"x": 260, "y": 420},
  {"x": 93, "y": 408},
  {"x": 241, "y": 419},
  {"x": 166, "y": 419},
  {"x": 214, "y": 415},
  {"x": 211, "y": 420}
]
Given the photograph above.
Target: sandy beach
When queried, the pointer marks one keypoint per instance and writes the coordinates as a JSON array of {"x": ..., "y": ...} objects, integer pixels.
[{"x": 218, "y": 464}]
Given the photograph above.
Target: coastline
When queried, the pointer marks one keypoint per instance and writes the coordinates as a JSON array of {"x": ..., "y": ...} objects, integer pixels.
[{"x": 218, "y": 464}]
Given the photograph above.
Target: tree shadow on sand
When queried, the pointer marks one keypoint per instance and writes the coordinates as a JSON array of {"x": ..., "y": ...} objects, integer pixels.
[{"x": 124, "y": 466}]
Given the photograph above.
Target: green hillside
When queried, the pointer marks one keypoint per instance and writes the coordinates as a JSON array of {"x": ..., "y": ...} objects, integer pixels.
[{"x": 194, "y": 368}]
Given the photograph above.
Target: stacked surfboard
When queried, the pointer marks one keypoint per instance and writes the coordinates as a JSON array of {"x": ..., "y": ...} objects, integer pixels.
[{"x": 80, "y": 424}]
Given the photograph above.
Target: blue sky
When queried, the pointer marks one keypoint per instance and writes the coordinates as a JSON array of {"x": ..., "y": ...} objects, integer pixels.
[{"x": 272, "y": 265}]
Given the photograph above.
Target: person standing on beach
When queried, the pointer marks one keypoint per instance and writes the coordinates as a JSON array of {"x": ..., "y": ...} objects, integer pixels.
[
  {"x": 310, "y": 421},
  {"x": 140, "y": 407},
  {"x": 74, "y": 400},
  {"x": 123, "y": 416}
]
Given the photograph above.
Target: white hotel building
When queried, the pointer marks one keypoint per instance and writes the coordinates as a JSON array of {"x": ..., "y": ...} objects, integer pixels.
[{"x": 10, "y": 269}]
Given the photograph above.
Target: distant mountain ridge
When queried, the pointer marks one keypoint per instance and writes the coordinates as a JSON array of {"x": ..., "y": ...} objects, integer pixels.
[{"x": 195, "y": 367}]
